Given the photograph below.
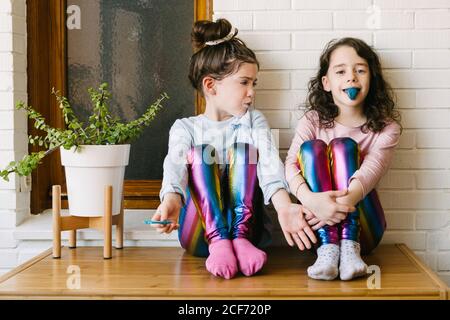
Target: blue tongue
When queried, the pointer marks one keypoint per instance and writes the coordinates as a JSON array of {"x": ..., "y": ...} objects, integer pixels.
[{"x": 352, "y": 92}]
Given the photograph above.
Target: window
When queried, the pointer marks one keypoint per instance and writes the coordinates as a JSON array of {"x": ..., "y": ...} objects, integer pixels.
[{"x": 128, "y": 44}]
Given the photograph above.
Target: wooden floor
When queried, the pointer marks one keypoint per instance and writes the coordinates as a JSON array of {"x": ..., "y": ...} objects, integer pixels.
[{"x": 169, "y": 273}]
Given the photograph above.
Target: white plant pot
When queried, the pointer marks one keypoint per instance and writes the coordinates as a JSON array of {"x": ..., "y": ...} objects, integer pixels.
[{"x": 88, "y": 171}]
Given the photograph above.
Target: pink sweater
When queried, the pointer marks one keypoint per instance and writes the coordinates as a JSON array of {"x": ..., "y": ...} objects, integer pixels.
[{"x": 376, "y": 148}]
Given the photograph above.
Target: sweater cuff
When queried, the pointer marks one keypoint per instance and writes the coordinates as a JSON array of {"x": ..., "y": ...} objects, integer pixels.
[
  {"x": 172, "y": 189},
  {"x": 271, "y": 189}
]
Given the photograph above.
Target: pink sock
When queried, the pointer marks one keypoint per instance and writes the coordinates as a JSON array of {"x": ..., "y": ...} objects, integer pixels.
[
  {"x": 250, "y": 259},
  {"x": 221, "y": 260}
]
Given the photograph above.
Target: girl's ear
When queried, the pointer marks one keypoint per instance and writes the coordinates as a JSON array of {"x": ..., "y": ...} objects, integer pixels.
[
  {"x": 209, "y": 85},
  {"x": 326, "y": 84}
]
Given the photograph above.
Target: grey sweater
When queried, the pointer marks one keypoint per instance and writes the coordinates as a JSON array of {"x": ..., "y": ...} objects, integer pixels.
[{"x": 251, "y": 128}]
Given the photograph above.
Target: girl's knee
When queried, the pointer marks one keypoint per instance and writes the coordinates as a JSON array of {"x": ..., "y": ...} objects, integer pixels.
[
  {"x": 316, "y": 143},
  {"x": 346, "y": 144},
  {"x": 246, "y": 152},
  {"x": 314, "y": 146}
]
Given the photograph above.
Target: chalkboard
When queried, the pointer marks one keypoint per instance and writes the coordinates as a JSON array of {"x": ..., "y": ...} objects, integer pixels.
[{"x": 141, "y": 48}]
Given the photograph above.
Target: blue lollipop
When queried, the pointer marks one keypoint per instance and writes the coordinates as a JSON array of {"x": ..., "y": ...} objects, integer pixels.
[
  {"x": 352, "y": 92},
  {"x": 163, "y": 222}
]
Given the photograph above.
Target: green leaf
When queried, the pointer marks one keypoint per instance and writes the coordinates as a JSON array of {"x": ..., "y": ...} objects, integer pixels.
[{"x": 101, "y": 128}]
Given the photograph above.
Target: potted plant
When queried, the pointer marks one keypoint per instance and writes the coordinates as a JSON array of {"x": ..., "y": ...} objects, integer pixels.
[{"x": 93, "y": 155}]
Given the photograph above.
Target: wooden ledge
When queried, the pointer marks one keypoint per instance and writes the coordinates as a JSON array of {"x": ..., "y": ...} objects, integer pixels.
[{"x": 170, "y": 273}]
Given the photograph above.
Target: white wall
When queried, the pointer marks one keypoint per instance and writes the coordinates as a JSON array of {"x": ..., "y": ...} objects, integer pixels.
[
  {"x": 413, "y": 40},
  {"x": 14, "y": 204}
]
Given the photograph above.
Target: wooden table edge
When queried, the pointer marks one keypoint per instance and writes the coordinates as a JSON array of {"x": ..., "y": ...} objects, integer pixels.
[
  {"x": 25, "y": 265},
  {"x": 211, "y": 298},
  {"x": 443, "y": 288}
]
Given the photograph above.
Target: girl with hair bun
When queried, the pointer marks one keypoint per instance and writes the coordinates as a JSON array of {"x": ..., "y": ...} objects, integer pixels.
[{"x": 223, "y": 166}]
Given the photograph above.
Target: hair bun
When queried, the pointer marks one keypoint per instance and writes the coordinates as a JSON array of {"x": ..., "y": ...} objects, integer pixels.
[{"x": 204, "y": 31}]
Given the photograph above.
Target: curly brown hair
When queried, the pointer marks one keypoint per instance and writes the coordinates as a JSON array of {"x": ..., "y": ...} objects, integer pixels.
[
  {"x": 379, "y": 105},
  {"x": 220, "y": 60}
]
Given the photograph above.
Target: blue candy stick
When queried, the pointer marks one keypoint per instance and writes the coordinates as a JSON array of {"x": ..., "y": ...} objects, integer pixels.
[
  {"x": 352, "y": 92},
  {"x": 163, "y": 222}
]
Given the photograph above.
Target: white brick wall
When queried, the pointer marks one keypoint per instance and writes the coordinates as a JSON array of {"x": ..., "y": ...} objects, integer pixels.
[
  {"x": 14, "y": 204},
  {"x": 413, "y": 40}
]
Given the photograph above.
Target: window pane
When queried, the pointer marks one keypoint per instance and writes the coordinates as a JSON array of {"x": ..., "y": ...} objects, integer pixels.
[{"x": 141, "y": 48}]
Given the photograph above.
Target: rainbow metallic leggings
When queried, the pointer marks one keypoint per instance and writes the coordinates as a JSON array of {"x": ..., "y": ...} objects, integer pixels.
[
  {"x": 329, "y": 167},
  {"x": 218, "y": 205}
]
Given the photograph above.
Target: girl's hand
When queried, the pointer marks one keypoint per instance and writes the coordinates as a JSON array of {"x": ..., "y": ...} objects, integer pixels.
[
  {"x": 326, "y": 208},
  {"x": 295, "y": 228},
  {"x": 169, "y": 209},
  {"x": 347, "y": 200},
  {"x": 315, "y": 223}
]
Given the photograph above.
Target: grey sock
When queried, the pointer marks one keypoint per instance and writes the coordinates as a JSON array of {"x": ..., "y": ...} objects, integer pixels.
[
  {"x": 351, "y": 265},
  {"x": 326, "y": 265}
]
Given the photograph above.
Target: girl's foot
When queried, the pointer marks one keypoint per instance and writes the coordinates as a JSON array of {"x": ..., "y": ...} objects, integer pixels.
[
  {"x": 250, "y": 259},
  {"x": 326, "y": 265},
  {"x": 351, "y": 265},
  {"x": 221, "y": 261}
]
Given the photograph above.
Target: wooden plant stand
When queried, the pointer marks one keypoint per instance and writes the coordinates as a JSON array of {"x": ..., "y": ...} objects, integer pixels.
[{"x": 72, "y": 223}]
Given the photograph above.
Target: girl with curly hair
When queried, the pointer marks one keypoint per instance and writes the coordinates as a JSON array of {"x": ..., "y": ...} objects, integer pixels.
[{"x": 342, "y": 146}]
